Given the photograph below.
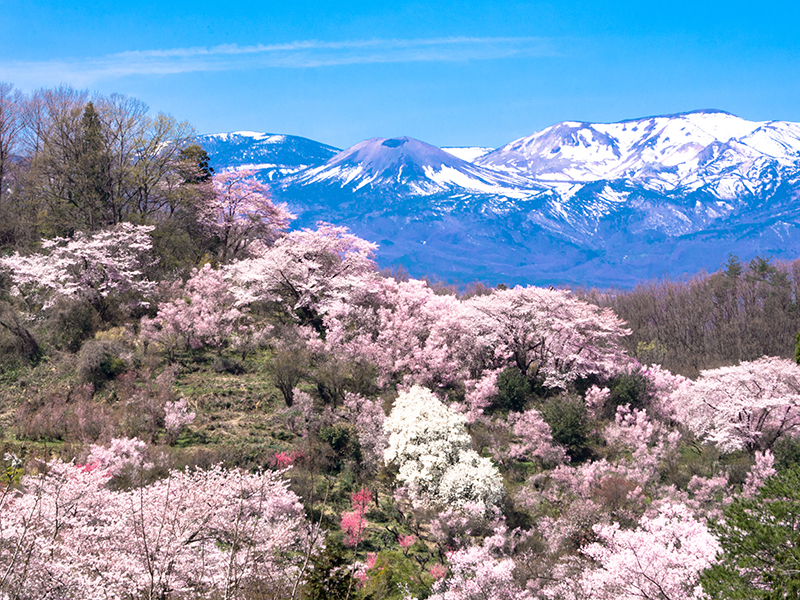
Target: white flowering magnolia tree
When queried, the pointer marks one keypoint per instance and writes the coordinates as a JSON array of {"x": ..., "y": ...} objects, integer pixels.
[{"x": 431, "y": 446}]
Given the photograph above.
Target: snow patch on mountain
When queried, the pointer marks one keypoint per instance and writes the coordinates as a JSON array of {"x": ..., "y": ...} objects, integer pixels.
[
  {"x": 469, "y": 153},
  {"x": 606, "y": 202},
  {"x": 408, "y": 164}
]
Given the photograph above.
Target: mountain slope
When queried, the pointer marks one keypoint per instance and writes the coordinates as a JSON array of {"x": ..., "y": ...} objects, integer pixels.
[
  {"x": 587, "y": 203},
  {"x": 272, "y": 156},
  {"x": 408, "y": 166}
]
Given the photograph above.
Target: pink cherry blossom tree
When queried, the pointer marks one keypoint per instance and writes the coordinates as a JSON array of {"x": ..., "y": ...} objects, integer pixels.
[
  {"x": 744, "y": 407},
  {"x": 306, "y": 271},
  {"x": 94, "y": 267},
  {"x": 662, "y": 558},
  {"x": 368, "y": 417},
  {"x": 201, "y": 533},
  {"x": 240, "y": 212},
  {"x": 203, "y": 314},
  {"x": 475, "y": 573},
  {"x": 411, "y": 334},
  {"x": 534, "y": 439},
  {"x": 547, "y": 334}
]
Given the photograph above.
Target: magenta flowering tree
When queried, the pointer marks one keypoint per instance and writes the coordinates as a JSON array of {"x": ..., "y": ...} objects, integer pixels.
[
  {"x": 92, "y": 267},
  {"x": 745, "y": 407},
  {"x": 354, "y": 522},
  {"x": 240, "y": 211},
  {"x": 203, "y": 314}
]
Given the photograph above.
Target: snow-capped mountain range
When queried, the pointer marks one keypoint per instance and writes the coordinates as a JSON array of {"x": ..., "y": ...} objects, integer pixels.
[{"x": 580, "y": 203}]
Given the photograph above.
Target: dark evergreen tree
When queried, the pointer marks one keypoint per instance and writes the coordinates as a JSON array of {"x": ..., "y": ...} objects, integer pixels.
[{"x": 760, "y": 539}]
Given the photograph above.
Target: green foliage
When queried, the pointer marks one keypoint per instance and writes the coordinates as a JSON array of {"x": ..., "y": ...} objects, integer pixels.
[
  {"x": 288, "y": 367},
  {"x": 760, "y": 540},
  {"x": 343, "y": 440},
  {"x": 797, "y": 348},
  {"x": 733, "y": 267},
  {"x": 198, "y": 168},
  {"x": 330, "y": 577},
  {"x": 392, "y": 575},
  {"x": 567, "y": 418},
  {"x": 628, "y": 389},
  {"x": 787, "y": 453},
  {"x": 652, "y": 352},
  {"x": 514, "y": 389},
  {"x": 12, "y": 474},
  {"x": 70, "y": 323},
  {"x": 17, "y": 343}
]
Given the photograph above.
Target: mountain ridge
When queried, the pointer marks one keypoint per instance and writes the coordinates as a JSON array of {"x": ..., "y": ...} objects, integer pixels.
[{"x": 575, "y": 203}]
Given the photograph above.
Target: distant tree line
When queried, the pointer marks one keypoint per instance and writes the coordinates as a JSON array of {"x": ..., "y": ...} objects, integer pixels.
[{"x": 739, "y": 313}]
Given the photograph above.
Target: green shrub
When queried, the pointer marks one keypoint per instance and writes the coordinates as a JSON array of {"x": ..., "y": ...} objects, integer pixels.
[
  {"x": 343, "y": 440},
  {"x": 628, "y": 389},
  {"x": 100, "y": 361},
  {"x": 566, "y": 416},
  {"x": 514, "y": 390},
  {"x": 70, "y": 323},
  {"x": 392, "y": 575}
]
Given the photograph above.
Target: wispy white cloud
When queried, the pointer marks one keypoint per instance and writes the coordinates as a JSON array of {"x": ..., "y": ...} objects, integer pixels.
[{"x": 299, "y": 54}]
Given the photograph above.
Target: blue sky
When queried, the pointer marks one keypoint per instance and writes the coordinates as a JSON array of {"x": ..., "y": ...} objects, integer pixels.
[{"x": 447, "y": 72}]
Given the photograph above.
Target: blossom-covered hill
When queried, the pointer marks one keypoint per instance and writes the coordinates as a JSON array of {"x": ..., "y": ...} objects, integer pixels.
[{"x": 199, "y": 401}]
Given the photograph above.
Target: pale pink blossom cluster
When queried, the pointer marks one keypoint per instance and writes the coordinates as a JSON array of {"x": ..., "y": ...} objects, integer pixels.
[
  {"x": 415, "y": 336},
  {"x": 744, "y": 407},
  {"x": 595, "y": 399},
  {"x": 176, "y": 417},
  {"x": 480, "y": 394},
  {"x": 534, "y": 440},
  {"x": 632, "y": 429},
  {"x": 662, "y": 558},
  {"x": 241, "y": 211},
  {"x": 201, "y": 315},
  {"x": 120, "y": 455},
  {"x": 762, "y": 469},
  {"x": 368, "y": 417},
  {"x": 198, "y": 533},
  {"x": 475, "y": 573},
  {"x": 306, "y": 271},
  {"x": 88, "y": 266},
  {"x": 547, "y": 333}
]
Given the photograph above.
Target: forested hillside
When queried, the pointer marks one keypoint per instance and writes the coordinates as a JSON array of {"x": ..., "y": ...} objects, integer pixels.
[{"x": 198, "y": 402}]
